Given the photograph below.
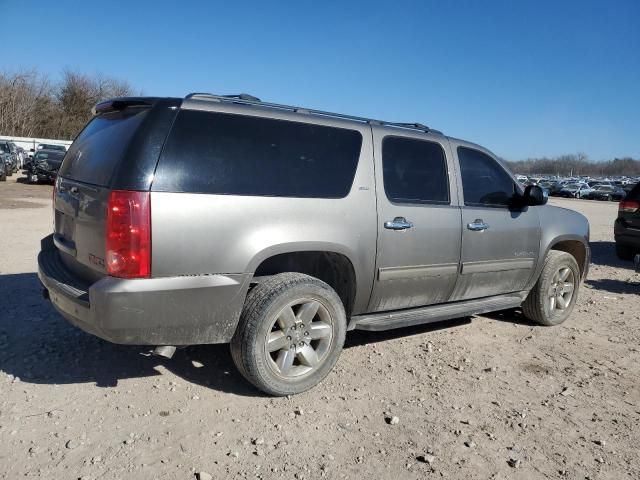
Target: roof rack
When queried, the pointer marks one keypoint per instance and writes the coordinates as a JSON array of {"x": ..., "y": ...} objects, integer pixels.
[{"x": 246, "y": 99}]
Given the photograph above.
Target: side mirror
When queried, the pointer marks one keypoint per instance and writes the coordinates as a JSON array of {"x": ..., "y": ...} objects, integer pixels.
[{"x": 534, "y": 195}]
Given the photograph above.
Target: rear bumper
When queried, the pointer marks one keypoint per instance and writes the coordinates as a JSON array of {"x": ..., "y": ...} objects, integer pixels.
[
  {"x": 157, "y": 311},
  {"x": 625, "y": 235}
]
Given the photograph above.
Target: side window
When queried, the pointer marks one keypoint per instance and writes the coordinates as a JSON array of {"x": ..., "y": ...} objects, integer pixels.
[
  {"x": 414, "y": 171},
  {"x": 219, "y": 153},
  {"x": 484, "y": 182}
]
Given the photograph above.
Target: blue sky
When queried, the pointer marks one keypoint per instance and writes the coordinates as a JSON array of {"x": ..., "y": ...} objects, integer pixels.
[{"x": 523, "y": 78}]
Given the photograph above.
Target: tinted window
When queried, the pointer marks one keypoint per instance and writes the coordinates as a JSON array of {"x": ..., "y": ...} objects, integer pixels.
[
  {"x": 415, "y": 171},
  {"x": 634, "y": 194},
  {"x": 97, "y": 151},
  {"x": 484, "y": 181},
  {"x": 240, "y": 155}
]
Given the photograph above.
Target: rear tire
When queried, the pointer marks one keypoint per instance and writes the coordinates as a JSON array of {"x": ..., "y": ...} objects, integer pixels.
[
  {"x": 554, "y": 295},
  {"x": 290, "y": 335},
  {"x": 624, "y": 252}
]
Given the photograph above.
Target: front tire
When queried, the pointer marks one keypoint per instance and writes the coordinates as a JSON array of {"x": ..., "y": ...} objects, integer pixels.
[
  {"x": 290, "y": 335},
  {"x": 554, "y": 295}
]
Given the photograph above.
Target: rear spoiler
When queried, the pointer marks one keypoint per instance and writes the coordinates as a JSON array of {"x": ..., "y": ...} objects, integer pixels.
[{"x": 119, "y": 104}]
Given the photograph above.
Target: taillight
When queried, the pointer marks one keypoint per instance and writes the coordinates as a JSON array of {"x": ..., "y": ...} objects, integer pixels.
[
  {"x": 128, "y": 242},
  {"x": 628, "y": 206}
]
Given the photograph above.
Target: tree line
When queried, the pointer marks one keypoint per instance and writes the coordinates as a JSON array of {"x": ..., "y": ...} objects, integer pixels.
[
  {"x": 576, "y": 165},
  {"x": 33, "y": 105}
]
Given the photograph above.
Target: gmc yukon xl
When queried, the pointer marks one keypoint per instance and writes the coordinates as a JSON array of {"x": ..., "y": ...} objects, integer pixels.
[{"x": 275, "y": 228}]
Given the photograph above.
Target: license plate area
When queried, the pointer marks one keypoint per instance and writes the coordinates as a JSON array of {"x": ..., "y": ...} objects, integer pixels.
[{"x": 65, "y": 225}]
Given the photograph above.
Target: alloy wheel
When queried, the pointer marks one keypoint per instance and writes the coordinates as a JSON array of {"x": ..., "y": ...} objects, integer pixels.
[
  {"x": 561, "y": 290},
  {"x": 299, "y": 338}
]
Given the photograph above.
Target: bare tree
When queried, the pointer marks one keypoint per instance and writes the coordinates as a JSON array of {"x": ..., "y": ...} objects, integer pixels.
[
  {"x": 31, "y": 105},
  {"x": 20, "y": 96}
]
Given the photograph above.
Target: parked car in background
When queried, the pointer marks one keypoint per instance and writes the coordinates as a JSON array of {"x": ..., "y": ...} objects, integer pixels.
[
  {"x": 9, "y": 154},
  {"x": 606, "y": 192},
  {"x": 556, "y": 187},
  {"x": 626, "y": 229},
  {"x": 3, "y": 170},
  {"x": 595, "y": 183},
  {"x": 48, "y": 146},
  {"x": 213, "y": 219},
  {"x": 22, "y": 157},
  {"x": 576, "y": 190},
  {"x": 44, "y": 166}
]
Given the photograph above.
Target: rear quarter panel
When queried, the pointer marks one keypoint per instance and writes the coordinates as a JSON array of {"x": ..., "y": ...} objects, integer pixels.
[{"x": 199, "y": 234}]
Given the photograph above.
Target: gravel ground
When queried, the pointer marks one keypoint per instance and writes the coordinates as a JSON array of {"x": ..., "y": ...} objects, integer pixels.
[{"x": 484, "y": 397}]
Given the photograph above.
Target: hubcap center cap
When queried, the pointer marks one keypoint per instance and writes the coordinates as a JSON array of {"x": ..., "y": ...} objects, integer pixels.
[{"x": 299, "y": 336}]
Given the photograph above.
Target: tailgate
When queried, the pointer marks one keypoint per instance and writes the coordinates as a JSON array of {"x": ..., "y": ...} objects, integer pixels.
[{"x": 80, "y": 212}]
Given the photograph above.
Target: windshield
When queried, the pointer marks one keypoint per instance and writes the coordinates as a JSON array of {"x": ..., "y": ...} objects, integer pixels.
[
  {"x": 45, "y": 146},
  {"x": 4, "y": 147}
]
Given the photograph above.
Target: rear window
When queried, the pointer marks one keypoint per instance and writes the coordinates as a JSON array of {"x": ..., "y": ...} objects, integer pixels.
[
  {"x": 96, "y": 152},
  {"x": 221, "y": 153}
]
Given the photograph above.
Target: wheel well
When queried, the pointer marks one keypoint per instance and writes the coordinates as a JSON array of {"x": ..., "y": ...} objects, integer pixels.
[
  {"x": 332, "y": 268},
  {"x": 574, "y": 248}
]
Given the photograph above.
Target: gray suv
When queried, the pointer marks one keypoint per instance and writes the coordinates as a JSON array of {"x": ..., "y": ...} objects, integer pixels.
[{"x": 215, "y": 219}]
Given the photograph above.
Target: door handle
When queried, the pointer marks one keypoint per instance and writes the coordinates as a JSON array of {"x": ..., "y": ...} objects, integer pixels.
[
  {"x": 477, "y": 225},
  {"x": 398, "y": 223}
]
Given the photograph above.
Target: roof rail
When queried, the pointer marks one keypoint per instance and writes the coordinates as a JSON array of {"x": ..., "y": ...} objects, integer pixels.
[{"x": 246, "y": 99}]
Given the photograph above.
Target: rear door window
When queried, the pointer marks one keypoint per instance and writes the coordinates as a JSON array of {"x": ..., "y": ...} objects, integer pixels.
[
  {"x": 229, "y": 154},
  {"x": 415, "y": 171},
  {"x": 101, "y": 146}
]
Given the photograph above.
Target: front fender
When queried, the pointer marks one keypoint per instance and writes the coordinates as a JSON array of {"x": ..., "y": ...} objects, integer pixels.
[{"x": 560, "y": 227}]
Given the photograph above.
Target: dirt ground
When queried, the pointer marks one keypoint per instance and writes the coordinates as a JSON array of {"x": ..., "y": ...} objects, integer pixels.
[{"x": 485, "y": 397}]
